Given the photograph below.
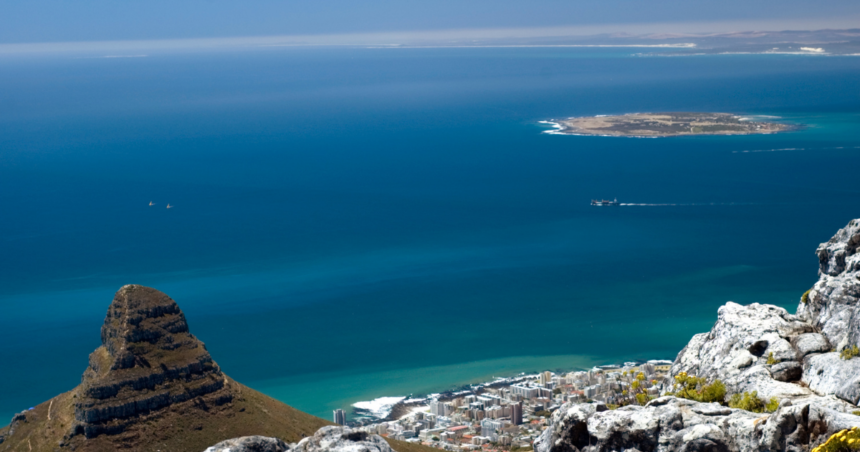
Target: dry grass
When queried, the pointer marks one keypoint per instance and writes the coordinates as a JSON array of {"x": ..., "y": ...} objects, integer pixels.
[{"x": 188, "y": 427}]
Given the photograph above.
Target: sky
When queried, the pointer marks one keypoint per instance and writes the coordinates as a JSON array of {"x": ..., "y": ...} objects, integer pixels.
[{"x": 52, "y": 21}]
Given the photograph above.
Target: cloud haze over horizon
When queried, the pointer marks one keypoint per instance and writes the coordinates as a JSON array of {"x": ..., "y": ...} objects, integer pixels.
[{"x": 55, "y": 21}]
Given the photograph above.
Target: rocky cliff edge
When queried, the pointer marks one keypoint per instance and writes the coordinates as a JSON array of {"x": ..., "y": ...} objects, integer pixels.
[{"x": 795, "y": 359}]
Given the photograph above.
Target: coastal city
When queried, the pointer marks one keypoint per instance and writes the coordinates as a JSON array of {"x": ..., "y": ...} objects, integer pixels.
[{"x": 506, "y": 414}]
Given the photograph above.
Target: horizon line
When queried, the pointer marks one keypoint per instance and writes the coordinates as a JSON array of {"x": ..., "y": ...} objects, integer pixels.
[{"x": 440, "y": 37}]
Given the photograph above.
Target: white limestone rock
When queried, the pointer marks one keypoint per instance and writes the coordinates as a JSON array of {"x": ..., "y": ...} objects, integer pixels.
[
  {"x": 250, "y": 444},
  {"x": 827, "y": 373},
  {"x": 342, "y": 439},
  {"x": 326, "y": 439},
  {"x": 834, "y": 300},
  {"x": 809, "y": 343},
  {"x": 737, "y": 348},
  {"x": 668, "y": 424}
]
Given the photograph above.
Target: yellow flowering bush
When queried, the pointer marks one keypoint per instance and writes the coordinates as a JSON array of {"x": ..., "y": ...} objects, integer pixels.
[
  {"x": 844, "y": 441},
  {"x": 850, "y": 352},
  {"x": 695, "y": 388}
]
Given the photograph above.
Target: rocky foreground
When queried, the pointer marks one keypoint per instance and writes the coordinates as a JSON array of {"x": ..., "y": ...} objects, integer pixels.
[
  {"x": 792, "y": 358},
  {"x": 326, "y": 439}
]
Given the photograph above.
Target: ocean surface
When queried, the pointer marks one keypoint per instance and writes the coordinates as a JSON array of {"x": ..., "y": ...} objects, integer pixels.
[{"x": 356, "y": 223}]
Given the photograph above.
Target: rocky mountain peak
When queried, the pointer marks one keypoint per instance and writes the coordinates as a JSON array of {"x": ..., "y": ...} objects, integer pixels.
[
  {"x": 148, "y": 361},
  {"x": 143, "y": 324}
]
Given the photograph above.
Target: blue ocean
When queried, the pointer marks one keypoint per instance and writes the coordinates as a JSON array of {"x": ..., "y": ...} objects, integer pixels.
[{"x": 351, "y": 223}]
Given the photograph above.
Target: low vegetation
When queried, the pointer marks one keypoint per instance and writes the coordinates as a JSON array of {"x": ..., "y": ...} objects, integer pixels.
[
  {"x": 750, "y": 401},
  {"x": 637, "y": 392},
  {"x": 770, "y": 359},
  {"x": 696, "y": 388},
  {"x": 849, "y": 352},
  {"x": 842, "y": 441},
  {"x": 805, "y": 297}
]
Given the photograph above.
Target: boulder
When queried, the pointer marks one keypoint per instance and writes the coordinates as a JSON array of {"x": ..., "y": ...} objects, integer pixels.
[
  {"x": 828, "y": 373},
  {"x": 342, "y": 439},
  {"x": 250, "y": 444},
  {"x": 786, "y": 371},
  {"x": 809, "y": 343}
]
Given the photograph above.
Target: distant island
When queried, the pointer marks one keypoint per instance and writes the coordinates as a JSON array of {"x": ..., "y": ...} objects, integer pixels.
[{"x": 666, "y": 125}]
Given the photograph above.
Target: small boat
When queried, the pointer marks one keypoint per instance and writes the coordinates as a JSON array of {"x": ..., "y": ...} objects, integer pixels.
[
  {"x": 169, "y": 206},
  {"x": 605, "y": 202},
  {"x": 151, "y": 203}
]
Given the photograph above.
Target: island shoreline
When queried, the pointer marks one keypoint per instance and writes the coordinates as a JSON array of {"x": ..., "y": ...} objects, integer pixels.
[{"x": 665, "y": 125}]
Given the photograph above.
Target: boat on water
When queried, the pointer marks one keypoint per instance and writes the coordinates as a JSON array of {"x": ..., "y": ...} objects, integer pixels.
[{"x": 605, "y": 202}]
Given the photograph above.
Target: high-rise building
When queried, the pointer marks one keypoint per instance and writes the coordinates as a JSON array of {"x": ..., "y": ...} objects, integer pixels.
[
  {"x": 434, "y": 408},
  {"x": 339, "y": 417},
  {"x": 517, "y": 413},
  {"x": 545, "y": 378}
]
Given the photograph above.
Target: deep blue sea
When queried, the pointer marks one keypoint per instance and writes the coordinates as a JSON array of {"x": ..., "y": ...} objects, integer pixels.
[{"x": 353, "y": 223}]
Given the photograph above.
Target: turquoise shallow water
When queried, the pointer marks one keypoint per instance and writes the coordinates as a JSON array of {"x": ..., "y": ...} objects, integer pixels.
[{"x": 352, "y": 223}]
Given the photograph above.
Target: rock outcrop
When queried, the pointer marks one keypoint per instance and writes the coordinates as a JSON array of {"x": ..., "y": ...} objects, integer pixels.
[
  {"x": 673, "y": 424},
  {"x": 326, "y": 439},
  {"x": 250, "y": 444},
  {"x": 148, "y": 361},
  {"x": 803, "y": 349},
  {"x": 739, "y": 346},
  {"x": 832, "y": 306},
  {"x": 762, "y": 348},
  {"x": 342, "y": 439}
]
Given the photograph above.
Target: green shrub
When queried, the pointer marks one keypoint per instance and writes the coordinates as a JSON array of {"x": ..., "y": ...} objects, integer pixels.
[
  {"x": 749, "y": 401},
  {"x": 856, "y": 413},
  {"x": 770, "y": 359},
  {"x": 694, "y": 388},
  {"x": 842, "y": 441},
  {"x": 771, "y": 405},
  {"x": 805, "y": 297},
  {"x": 714, "y": 392},
  {"x": 850, "y": 352},
  {"x": 642, "y": 398}
]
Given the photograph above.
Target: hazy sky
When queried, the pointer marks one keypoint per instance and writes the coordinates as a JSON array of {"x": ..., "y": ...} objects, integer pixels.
[{"x": 24, "y": 21}]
